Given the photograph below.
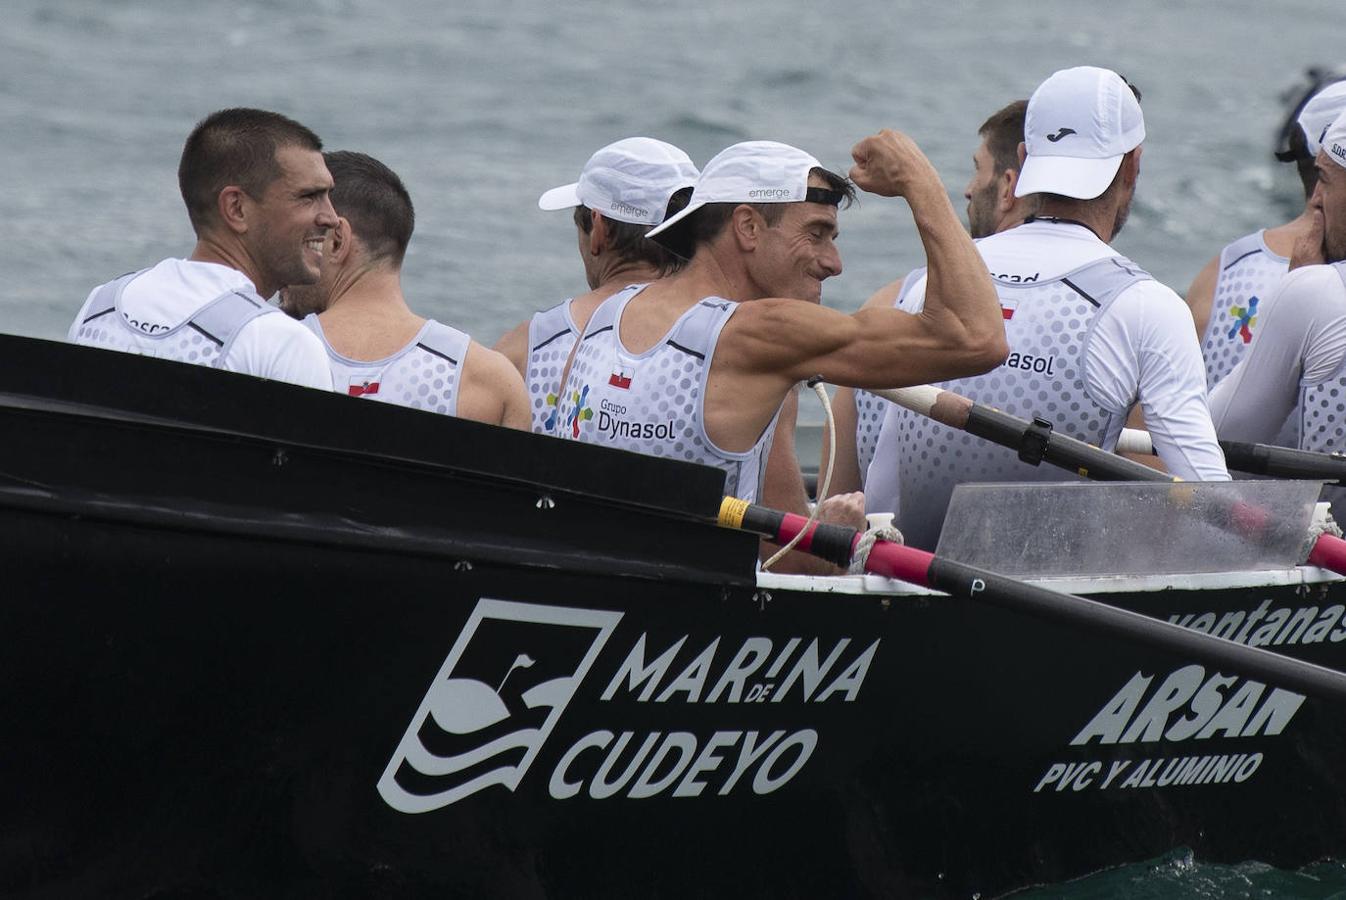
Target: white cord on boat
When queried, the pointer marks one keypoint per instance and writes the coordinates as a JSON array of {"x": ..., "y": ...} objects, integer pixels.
[
  {"x": 817, "y": 384},
  {"x": 1322, "y": 523},
  {"x": 866, "y": 544}
]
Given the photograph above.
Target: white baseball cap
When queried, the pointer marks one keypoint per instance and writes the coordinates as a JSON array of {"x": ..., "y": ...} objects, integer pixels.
[
  {"x": 1322, "y": 109},
  {"x": 750, "y": 172},
  {"x": 630, "y": 180},
  {"x": 1334, "y": 140},
  {"x": 1079, "y": 125}
]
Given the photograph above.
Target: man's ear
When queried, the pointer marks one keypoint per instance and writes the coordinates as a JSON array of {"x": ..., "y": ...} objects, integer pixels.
[
  {"x": 746, "y": 224},
  {"x": 1131, "y": 166},
  {"x": 598, "y": 233},
  {"x": 342, "y": 239},
  {"x": 231, "y": 203},
  {"x": 1009, "y": 179}
]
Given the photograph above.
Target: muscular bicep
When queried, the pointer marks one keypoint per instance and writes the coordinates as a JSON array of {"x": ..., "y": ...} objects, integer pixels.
[{"x": 872, "y": 348}]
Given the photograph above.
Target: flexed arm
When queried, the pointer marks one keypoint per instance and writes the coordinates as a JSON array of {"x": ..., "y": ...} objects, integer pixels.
[{"x": 960, "y": 331}]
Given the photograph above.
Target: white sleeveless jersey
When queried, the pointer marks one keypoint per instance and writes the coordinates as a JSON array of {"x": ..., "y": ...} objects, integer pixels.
[
  {"x": 870, "y": 408},
  {"x": 204, "y": 338},
  {"x": 653, "y": 402},
  {"x": 1249, "y": 273},
  {"x": 1322, "y": 407},
  {"x": 1048, "y": 325},
  {"x": 551, "y": 335},
  {"x": 425, "y": 374}
]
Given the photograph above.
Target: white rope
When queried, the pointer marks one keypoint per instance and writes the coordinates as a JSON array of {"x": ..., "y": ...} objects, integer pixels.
[
  {"x": 866, "y": 544},
  {"x": 817, "y": 385},
  {"x": 1319, "y": 525}
]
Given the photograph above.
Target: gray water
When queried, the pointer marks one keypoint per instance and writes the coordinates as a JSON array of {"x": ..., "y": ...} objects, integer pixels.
[{"x": 481, "y": 106}]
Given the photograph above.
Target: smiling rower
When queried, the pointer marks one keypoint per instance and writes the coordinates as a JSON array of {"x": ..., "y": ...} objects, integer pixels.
[
  {"x": 257, "y": 194},
  {"x": 377, "y": 347},
  {"x": 684, "y": 368}
]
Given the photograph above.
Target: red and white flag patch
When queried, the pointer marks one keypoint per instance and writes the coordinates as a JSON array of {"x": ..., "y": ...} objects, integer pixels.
[{"x": 362, "y": 387}]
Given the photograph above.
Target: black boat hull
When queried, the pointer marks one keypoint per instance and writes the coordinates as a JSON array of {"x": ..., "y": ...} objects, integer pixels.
[{"x": 273, "y": 664}]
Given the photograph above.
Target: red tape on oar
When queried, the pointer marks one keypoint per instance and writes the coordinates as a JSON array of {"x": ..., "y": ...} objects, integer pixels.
[{"x": 835, "y": 543}]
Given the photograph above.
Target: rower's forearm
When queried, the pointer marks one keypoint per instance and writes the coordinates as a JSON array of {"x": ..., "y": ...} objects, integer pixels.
[{"x": 957, "y": 282}]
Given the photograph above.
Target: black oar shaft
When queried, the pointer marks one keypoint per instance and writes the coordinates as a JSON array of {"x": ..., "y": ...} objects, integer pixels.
[
  {"x": 1058, "y": 449},
  {"x": 1284, "y": 462}
]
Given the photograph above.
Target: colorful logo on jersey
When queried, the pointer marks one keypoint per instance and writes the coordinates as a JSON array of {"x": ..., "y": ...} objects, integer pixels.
[
  {"x": 1244, "y": 320},
  {"x": 1006, "y": 313},
  {"x": 581, "y": 412},
  {"x": 621, "y": 377},
  {"x": 362, "y": 387},
  {"x": 555, "y": 403}
]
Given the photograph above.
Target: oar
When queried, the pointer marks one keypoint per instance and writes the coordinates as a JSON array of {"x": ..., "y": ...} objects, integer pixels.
[
  {"x": 1036, "y": 442},
  {"x": 837, "y": 543},
  {"x": 1258, "y": 459}
]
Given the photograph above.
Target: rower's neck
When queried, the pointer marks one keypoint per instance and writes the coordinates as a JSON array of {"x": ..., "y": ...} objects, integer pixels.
[{"x": 1100, "y": 217}]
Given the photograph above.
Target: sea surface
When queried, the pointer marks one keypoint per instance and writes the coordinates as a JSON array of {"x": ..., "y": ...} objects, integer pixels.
[{"x": 481, "y": 105}]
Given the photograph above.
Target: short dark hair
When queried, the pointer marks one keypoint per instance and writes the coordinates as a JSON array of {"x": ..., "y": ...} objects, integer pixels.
[
  {"x": 708, "y": 222},
  {"x": 627, "y": 239},
  {"x": 373, "y": 199},
  {"x": 1003, "y": 132},
  {"x": 235, "y": 146}
]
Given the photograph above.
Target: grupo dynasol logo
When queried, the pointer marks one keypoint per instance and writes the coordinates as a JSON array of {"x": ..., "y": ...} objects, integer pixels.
[{"x": 500, "y": 692}]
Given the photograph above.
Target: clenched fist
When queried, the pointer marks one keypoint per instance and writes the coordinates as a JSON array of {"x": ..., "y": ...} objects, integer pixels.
[{"x": 891, "y": 165}]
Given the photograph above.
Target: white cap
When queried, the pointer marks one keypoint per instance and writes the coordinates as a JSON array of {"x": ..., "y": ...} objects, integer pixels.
[
  {"x": 1334, "y": 141},
  {"x": 750, "y": 172},
  {"x": 630, "y": 181},
  {"x": 1080, "y": 123},
  {"x": 1321, "y": 110}
]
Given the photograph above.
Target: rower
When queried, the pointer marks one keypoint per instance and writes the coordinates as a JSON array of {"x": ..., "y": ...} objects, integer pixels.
[
  {"x": 624, "y": 190},
  {"x": 256, "y": 191},
  {"x": 1296, "y": 362},
  {"x": 376, "y": 347},
  {"x": 1226, "y": 297},
  {"x": 1090, "y": 332},
  {"x": 991, "y": 208},
  {"x": 684, "y": 368}
]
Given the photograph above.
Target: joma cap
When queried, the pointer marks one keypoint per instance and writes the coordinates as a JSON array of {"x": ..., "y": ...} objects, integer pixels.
[
  {"x": 1080, "y": 123},
  {"x": 750, "y": 172},
  {"x": 630, "y": 181}
]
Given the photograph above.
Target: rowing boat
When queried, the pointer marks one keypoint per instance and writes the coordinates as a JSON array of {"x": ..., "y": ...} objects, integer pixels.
[{"x": 267, "y": 641}]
